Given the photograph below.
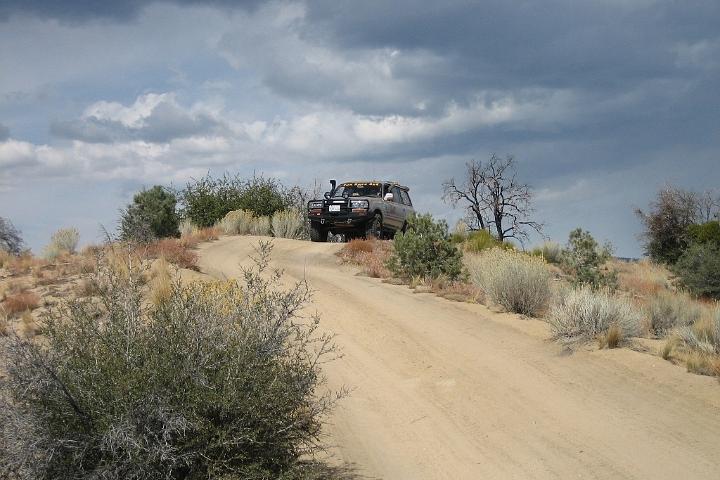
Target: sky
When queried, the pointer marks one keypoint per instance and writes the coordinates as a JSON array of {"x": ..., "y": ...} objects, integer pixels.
[{"x": 600, "y": 102}]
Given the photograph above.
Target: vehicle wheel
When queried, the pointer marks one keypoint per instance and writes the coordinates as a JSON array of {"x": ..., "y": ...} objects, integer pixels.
[
  {"x": 318, "y": 234},
  {"x": 374, "y": 228}
]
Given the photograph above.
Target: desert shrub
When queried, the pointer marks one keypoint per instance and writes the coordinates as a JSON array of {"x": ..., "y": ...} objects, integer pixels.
[
  {"x": 219, "y": 381},
  {"x": 371, "y": 255},
  {"x": 174, "y": 251},
  {"x": 260, "y": 226},
  {"x": 64, "y": 241},
  {"x": 698, "y": 269},
  {"x": 289, "y": 223},
  {"x": 150, "y": 216},
  {"x": 582, "y": 314},
  {"x": 478, "y": 241},
  {"x": 161, "y": 282},
  {"x": 21, "y": 302},
  {"x": 425, "y": 250},
  {"x": 10, "y": 239},
  {"x": 668, "y": 310},
  {"x": 698, "y": 345},
  {"x": 237, "y": 222},
  {"x": 551, "y": 252},
  {"x": 583, "y": 259},
  {"x": 207, "y": 200},
  {"x": 516, "y": 281}
]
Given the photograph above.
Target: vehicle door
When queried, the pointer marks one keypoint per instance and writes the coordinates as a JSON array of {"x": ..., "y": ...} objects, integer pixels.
[
  {"x": 407, "y": 204},
  {"x": 389, "y": 208},
  {"x": 398, "y": 210}
]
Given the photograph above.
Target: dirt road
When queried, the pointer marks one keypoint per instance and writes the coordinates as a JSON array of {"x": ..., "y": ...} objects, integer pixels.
[{"x": 443, "y": 390}]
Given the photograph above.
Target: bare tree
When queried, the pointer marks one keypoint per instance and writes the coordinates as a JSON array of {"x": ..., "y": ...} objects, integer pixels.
[
  {"x": 495, "y": 200},
  {"x": 709, "y": 205}
]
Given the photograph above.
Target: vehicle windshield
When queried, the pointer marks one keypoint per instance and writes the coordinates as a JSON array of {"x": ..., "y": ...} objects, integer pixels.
[{"x": 358, "y": 190}]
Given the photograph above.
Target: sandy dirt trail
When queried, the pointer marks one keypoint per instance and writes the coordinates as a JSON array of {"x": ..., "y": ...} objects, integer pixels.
[{"x": 444, "y": 390}]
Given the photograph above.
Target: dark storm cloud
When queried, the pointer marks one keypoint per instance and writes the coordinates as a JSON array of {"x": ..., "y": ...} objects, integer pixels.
[{"x": 79, "y": 11}]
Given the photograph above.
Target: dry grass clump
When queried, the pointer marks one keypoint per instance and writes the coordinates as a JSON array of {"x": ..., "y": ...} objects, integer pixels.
[
  {"x": 697, "y": 345},
  {"x": 29, "y": 327},
  {"x": 187, "y": 228},
  {"x": 5, "y": 258},
  {"x": 667, "y": 310},
  {"x": 199, "y": 236},
  {"x": 64, "y": 241},
  {"x": 581, "y": 314},
  {"x": 612, "y": 338},
  {"x": 236, "y": 222},
  {"x": 87, "y": 287},
  {"x": 442, "y": 286},
  {"x": 161, "y": 283},
  {"x": 371, "y": 255},
  {"x": 4, "y": 323},
  {"x": 174, "y": 251},
  {"x": 260, "y": 226},
  {"x": 516, "y": 281},
  {"x": 24, "y": 264},
  {"x": 642, "y": 278},
  {"x": 21, "y": 302},
  {"x": 289, "y": 223}
]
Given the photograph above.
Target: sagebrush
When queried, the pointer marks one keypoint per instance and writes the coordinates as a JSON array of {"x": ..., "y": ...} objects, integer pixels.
[
  {"x": 217, "y": 380},
  {"x": 236, "y": 222},
  {"x": 289, "y": 223},
  {"x": 668, "y": 310},
  {"x": 64, "y": 241},
  {"x": 518, "y": 282},
  {"x": 582, "y": 314}
]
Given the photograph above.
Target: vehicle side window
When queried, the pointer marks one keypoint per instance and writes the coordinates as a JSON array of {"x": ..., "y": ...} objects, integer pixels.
[
  {"x": 397, "y": 197},
  {"x": 405, "y": 198}
]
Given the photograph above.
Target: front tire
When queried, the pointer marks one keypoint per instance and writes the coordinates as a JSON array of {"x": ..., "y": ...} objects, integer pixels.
[
  {"x": 318, "y": 234},
  {"x": 374, "y": 228}
]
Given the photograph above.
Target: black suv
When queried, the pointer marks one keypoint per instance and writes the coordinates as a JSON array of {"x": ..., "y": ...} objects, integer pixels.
[{"x": 360, "y": 209}]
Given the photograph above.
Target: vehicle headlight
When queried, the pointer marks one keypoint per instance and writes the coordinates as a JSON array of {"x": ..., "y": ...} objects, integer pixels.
[
  {"x": 318, "y": 204},
  {"x": 358, "y": 204}
]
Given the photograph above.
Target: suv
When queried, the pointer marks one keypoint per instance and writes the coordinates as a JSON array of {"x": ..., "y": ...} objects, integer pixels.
[{"x": 360, "y": 209}]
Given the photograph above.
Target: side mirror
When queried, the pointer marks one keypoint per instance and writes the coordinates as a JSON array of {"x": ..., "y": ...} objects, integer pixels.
[
  {"x": 388, "y": 197},
  {"x": 326, "y": 194}
]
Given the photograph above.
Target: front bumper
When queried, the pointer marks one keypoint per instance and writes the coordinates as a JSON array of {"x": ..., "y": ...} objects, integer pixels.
[{"x": 339, "y": 220}]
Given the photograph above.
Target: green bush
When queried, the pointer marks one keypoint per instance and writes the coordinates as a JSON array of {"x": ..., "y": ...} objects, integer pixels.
[
  {"x": 425, "y": 250},
  {"x": 583, "y": 259},
  {"x": 551, "y": 252},
  {"x": 518, "y": 282},
  {"x": 150, "y": 216},
  {"x": 698, "y": 269},
  {"x": 209, "y": 199},
  {"x": 217, "y": 381},
  {"x": 705, "y": 233}
]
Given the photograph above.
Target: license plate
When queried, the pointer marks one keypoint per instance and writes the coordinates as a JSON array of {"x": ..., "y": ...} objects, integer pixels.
[{"x": 334, "y": 208}]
